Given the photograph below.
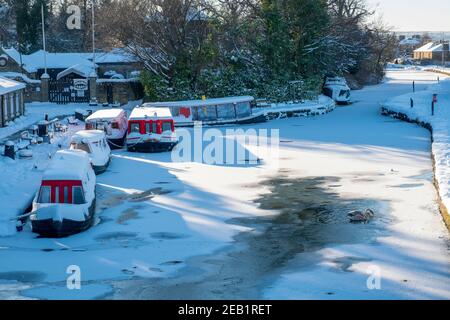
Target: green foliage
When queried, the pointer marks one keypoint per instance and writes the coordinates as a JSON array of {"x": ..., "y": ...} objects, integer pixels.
[{"x": 28, "y": 23}]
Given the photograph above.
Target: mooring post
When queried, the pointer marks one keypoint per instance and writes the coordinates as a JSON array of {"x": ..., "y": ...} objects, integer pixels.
[
  {"x": 412, "y": 102},
  {"x": 432, "y": 108},
  {"x": 414, "y": 86}
]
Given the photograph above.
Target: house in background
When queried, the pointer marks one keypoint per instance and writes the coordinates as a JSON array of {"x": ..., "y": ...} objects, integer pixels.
[
  {"x": 117, "y": 63},
  {"x": 433, "y": 53},
  {"x": 117, "y": 73},
  {"x": 11, "y": 100}
]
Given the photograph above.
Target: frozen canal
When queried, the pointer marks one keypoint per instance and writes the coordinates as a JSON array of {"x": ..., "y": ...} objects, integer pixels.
[{"x": 191, "y": 230}]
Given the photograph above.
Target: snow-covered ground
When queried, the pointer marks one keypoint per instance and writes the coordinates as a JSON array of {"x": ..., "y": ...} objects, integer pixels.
[
  {"x": 35, "y": 111},
  {"x": 192, "y": 230},
  {"x": 440, "y": 122}
]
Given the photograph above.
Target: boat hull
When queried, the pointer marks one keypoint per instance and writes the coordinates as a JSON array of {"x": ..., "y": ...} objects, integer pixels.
[
  {"x": 61, "y": 229},
  {"x": 101, "y": 169},
  {"x": 116, "y": 144},
  {"x": 152, "y": 147}
]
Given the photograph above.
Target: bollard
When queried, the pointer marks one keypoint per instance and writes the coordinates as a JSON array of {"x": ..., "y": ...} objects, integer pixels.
[
  {"x": 414, "y": 86},
  {"x": 42, "y": 128},
  {"x": 10, "y": 150},
  {"x": 412, "y": 102},
  {"x": 432, "y": 108}
]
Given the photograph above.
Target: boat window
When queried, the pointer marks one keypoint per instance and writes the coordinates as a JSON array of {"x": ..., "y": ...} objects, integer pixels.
[
  {"x": 243, "y": 109},
  {"x": 226, "y": 111},
  {"x": 57, "y": 195},
  {"x": 78, "y": 195},
  {"x": 175, "y": 111},
  {"x": 148, "y": 127},
  {"x": 66, "y": 195},
  {"x": 80, "y": 146},
  {"x": 328, "y": 92},
  {"x": 135, "y": 127},
  {"x": 154, "y": 127},
  {"x": 207, "y": 113},
  {"x": 44, "y": 195},
  {"x": 166, "y": 126}
]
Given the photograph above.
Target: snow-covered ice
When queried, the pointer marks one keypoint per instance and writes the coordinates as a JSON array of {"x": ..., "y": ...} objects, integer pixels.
[{"x": 157, "y": 219}]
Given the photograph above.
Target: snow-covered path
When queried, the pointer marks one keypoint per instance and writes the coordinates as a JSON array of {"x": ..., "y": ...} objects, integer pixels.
[{"x": 191, "y": 230}]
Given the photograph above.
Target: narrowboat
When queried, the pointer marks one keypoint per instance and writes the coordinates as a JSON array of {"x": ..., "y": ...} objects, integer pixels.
[
  {"x": 151, "y": 130},
  {"x": 218, "y": 111},
  {"x": 115, "y": 124},
  {"x": 65, "y": 202},
  {"x": 93, "y": 142},
  {"x": 337, "y": 89}
]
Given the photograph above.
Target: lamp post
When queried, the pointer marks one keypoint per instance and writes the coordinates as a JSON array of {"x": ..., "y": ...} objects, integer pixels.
[{"x": 43, "y": 38}]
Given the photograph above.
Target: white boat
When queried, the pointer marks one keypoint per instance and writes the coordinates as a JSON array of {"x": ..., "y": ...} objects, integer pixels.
[
  {"x": 94, "y": 143},
  {"x": 114, "y": 122},
  {"x": 337, "y": 89},
  {"x": 218, "y": 111},
  {"x": 65, "y": 202},
  {"x": 151, "y": 130}
]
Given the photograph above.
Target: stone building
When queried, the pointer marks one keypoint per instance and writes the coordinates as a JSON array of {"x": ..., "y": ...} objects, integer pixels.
[{"x": 11, "y": 100}]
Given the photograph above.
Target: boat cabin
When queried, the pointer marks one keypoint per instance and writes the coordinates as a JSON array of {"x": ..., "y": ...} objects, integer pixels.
[
  {"x": 212, "y": 111},
  {"x": 113, "y": 121},
  {"x": 94, "y": 143},
  {"x": 151, "y": 129},
  {"x": 65, "y": 202},
  {"x": 337, "y": 89}
]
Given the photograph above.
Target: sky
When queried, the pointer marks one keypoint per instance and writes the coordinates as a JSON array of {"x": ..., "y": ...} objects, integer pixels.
[{"x": 415, "y": 15}]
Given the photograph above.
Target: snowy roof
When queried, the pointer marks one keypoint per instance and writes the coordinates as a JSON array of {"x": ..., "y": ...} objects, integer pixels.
[
  {"x": 114, "y": 56},
  {"x": 410, "y": 42},
  {"x": 105, "y": 114},
  {"x": 68, "y": 165},
  {"x": 63, "y": 60},
  {"x": 201, "y": 103},
  {"x": 145, "y": 112},
  {"x": 35, "y": 61},
  {"x": 83, "y": 70},
  {"x": 8, "y": 85},
  {"x": 88, "y": 136},
  {"x": 429, "y": 47}
]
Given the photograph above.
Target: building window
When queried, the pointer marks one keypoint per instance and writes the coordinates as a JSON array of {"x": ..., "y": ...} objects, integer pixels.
[
  {"x": 17, "y": 105},
  {"x": 5, "y": 105},
  {"x": 11, "y": 106}
]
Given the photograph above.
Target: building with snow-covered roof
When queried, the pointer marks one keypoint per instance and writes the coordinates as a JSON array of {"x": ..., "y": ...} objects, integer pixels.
[
  {"x": 69, "y": 73},
  {"x": 11, "y": 100},
  {"x": 433, "y": 52},
  {"x": 79, "y": 64}
]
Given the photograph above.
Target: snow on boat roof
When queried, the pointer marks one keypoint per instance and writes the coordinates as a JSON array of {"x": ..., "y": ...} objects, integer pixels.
[
  {"x": 105, "y": 114},
  {"x": 146, "y": 112},
  {"x": 201, "y": 103},
  {"x": 8, "y": 85},
  {"x": 68, "y": 165},
  {"x": 88, "y": 136}
]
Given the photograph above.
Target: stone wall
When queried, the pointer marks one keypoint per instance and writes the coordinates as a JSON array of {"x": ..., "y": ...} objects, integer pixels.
[{"x": 122, "y": 91}]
